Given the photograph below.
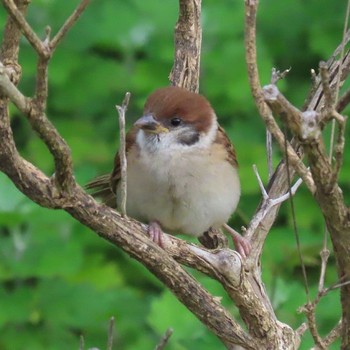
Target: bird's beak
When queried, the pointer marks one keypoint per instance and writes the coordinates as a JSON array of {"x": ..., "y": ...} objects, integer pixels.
[{"x": 149, "y": 124}]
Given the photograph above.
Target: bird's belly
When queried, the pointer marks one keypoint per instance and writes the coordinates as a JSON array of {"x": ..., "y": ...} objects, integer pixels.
[{"x": 183, "y": 200}]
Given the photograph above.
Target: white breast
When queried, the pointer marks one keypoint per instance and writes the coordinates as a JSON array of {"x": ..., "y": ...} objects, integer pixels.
[{"x": 187, "y": 190}]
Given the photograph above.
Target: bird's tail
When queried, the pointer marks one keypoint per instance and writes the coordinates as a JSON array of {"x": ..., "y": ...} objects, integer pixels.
[{"x": 100, "y": 187}]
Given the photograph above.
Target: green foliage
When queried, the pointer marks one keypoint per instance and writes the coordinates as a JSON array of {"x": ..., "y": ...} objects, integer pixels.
[{"x": 57, "y": 279}]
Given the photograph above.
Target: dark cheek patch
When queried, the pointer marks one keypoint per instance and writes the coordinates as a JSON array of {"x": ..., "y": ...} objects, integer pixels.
[{"x": 188, "y": 138}]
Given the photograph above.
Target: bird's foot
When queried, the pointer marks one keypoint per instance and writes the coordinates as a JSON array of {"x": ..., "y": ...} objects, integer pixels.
[
  {"x": 155, "y": 233},
  {"x": 241, "y": 243}
]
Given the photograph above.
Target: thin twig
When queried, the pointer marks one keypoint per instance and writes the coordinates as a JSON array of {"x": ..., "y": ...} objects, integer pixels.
[
  {"x": 277, "y": 75},
  {"x": 328, "y": 94},
  {"x": 41, "y": 89},
  {"x": 343, "y": 101},
  {"x": 288, "y": 195},
  {"x": 342, "y": 51},
  {"x": 310, "y": 310},
  {"x": 46, "y": 130},
  {"x": 25, "y": 28},
  {"x": 268, "y": 202},
  {"x": 292, "y": 116},
  {"x": 311, "y": 318},
  {"x": 302, "y": 329},
  {"x": 122, "y": 153},
  {"x": 47, "y": 35},
  {"x": 314, "y": 77},
  {"x": 110, "y": 334},
  {"x": 314, "y": 101},
  {"x": 295, "y": 226},
  {"x": 68, "y": 24},
  {"x": 339, "y": 146},
  {"x": 333, "y": 335},
  {"x": 329, "y": 102},
  {"x": 324, "y": 259},
  {"x": 82, "y": 342},
  {"x": 269, "y": 153},
  {"x": 336, "y": 286},
  {"x": 164, "y": 340},
  {"x": 261, "y": 185},
  {"x": 258, "y": 94}
]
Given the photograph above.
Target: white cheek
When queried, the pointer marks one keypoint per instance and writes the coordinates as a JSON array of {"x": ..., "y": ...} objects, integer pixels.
[{"x": 165, "y": 141}]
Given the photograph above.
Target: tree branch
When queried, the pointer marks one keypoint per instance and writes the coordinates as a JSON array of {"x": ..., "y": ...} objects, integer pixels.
[
  {"x": 253, "y": 74},
  {"x": 329, "y": 196},
  {"x": 241, "y": 280},
  {"x": 25, "y": 28},
  {"x": 188, "y": 41},
  {"x": 122, "y": 153},
  {"x": 164, "y": 340}
]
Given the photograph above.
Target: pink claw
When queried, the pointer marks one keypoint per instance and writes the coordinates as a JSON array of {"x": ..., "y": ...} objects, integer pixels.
[{"x": 155, "y": 233}]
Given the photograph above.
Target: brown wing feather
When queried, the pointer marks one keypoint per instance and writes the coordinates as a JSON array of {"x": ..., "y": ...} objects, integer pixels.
[
  {"x": 222, "y": 138},
  {"x": 105, "y": 186},
  {"x": 100, "y": 187}
]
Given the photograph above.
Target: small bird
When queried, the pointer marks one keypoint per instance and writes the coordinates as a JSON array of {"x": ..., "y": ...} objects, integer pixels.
[{"x": 181, "y": 169}]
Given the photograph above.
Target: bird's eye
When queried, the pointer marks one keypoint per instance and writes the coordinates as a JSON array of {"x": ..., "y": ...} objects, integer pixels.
[{"x": 175, "y": 121}]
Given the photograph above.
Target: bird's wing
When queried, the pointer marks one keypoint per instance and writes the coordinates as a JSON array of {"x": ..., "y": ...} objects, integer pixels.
[
  {"x": 222, "y": 138},
  {"x": 100, "y": 187}
]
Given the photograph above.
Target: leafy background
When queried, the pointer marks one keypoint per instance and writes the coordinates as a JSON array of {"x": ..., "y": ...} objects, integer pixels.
[{"x": 59, "y": 280}]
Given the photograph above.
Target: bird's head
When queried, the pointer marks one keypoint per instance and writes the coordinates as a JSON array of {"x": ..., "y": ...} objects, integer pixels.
[{"x": 176, "y": 118}]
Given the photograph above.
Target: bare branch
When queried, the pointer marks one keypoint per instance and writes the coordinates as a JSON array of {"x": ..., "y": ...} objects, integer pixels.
[
  {"x": 25, "y": 28},
  {"x": 324, "y": 259},
  {"x": 315, "y": 101},
  {"x": 10, "y": 90},
  {"x": 122, "y": 153},
  {"x": 302, "y": 329},
  {"x": 188, "y": 41},
  {"x": 258, "y": 94},
  {"x": 342, "y": 45},
  {"x": 333, "y": 335},
  {"x": 268, "y": 203},
  {"x": 46, "y": 131},
  {"x": 343, "y": 101},
  {"x": 129, "y": 235},
  {"x": 328, "y": 194},
  {"x": 110, "y": 334},
  {"x": 261, "y": 185},
  {"x": 328, "y": 94},
  {"x": 241, "y": 280},
  {"x": 43, "y": 48},
  {"x": 339, "y": 147},
  {"x": 164, "y": 340},
  {"x": 336, "y": 286},
  {"x": 41, "y": 89},
  {"x": 310, "y": 310},
  {"x": 269, "y": 153},
  {"x": 267, "y": 208},
  {"x": 311, "y": 318},
  {"x": 68, "y": 24},
  {"x": 81, "y": 342},
  {"x": 277, "y": 75}
]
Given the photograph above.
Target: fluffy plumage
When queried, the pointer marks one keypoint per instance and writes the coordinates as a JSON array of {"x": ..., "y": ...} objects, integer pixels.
[{"x": 182, "y": 168}]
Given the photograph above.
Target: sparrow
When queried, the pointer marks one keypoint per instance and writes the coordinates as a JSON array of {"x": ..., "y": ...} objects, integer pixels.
[{"x": 182, "y": 170}]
